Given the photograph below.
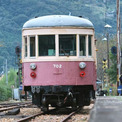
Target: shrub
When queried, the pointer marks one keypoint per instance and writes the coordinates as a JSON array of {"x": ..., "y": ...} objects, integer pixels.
[{"x": 5, "y": 90}]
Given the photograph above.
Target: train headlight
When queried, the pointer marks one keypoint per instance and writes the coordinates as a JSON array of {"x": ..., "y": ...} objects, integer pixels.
[
  {"x": 33, "y": 66},
  {"x": 82, "y": 65}
]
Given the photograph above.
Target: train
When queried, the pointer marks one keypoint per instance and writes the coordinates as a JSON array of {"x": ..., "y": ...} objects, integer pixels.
[{"x": 59, "y": 61}]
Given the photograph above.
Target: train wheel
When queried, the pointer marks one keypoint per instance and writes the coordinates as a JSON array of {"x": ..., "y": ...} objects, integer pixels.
[
  {"x": 45, "y": 105},
  {"x": 45, "y": 108},
  {"x": 74, "y": 104}
]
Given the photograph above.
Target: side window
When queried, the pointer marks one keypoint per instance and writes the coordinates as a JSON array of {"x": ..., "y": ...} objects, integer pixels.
[
  {"x": 25, "y": 51},
  {"x": 67, "y": 45},
  {"x": 82, "y": 45},
  {"x": 32, "y": 46},
  {"x": 89, "y": 45},
  {"x": 46, "y": 45}
]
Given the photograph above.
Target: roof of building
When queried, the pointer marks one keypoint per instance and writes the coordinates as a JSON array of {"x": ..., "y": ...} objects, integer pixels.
[{"x": 58, "y": 21}]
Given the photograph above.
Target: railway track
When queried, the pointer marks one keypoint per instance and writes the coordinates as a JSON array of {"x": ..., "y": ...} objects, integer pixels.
[
  {"x": 49, "y": 112},
  {"x": 6, "y": 108},
  {"x": 59, "y": 115},
  {"x": 35, "y": 115},
  {"x": 30, "y": 117},
  {"x": 13, "y": 104},
  {"x": 71, "y": 114},
  {"x": 11, "y": 110},
  {"x": 79, "y": 115}
]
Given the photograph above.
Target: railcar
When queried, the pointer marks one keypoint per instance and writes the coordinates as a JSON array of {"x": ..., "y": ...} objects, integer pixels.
[{"x": 59, "y": 60}]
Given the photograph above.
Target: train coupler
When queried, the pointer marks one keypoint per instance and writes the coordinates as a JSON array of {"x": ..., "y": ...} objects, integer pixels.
[{"x": 68, "y": 97}]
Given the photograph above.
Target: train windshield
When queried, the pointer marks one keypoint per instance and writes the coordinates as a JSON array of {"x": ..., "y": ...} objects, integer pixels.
[
  {"x": 32, "y": 46},
  {"x": 82, "y": 45},
  {"x": 46, "y": 45},
  {"x": 90, "y": 45},
  {"x": 67, "y": 45},
  {"x": 25, "y": 46}
]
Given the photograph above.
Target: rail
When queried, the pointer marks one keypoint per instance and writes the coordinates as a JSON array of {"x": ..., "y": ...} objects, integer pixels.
[{"x": 71, "y": 114}]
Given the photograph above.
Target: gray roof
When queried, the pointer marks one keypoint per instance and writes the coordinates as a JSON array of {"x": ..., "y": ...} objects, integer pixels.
[{"x": 58, "y": 21}]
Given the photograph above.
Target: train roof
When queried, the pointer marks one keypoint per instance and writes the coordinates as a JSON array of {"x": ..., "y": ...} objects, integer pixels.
[{"x": 58, "y": 21}]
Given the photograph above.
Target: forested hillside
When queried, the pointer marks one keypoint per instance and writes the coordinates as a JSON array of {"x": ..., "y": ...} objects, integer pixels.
[{"x": 14, "y": 13}]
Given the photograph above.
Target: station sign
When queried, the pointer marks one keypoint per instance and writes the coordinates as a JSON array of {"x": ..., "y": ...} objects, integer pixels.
[
  {"x": 20, "y": 87},
  {"x": 110, "y": 90}
]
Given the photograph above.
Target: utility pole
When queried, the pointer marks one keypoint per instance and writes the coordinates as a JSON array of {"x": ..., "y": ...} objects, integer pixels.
[
  {"x": 118, "y": 44},
  {"x": 18, "y": 51},
  {"x": 108, "y": 48},
  {"x": 107, "y": 39},
  {"x": 6, "y": 73}
]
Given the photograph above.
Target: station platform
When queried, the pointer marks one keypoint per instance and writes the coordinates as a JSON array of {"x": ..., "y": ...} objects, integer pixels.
[{"x": 107, "y": 109}]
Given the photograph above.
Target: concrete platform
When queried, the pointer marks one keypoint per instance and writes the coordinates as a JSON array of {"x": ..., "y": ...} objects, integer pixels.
[{"x": 107, "y": 109}]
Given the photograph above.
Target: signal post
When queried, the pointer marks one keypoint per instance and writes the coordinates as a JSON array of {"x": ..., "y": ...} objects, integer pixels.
[{"x": 105, "y": 66}]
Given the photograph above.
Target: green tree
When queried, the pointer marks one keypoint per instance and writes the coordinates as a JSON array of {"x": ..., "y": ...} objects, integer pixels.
[
  {"x": 19, "y": 11},
  {"x": 112, "y": 71},
  {"x": 5, "y": 90}
]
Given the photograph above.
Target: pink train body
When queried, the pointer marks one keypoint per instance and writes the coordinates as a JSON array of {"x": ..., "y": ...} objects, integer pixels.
[
  {"x": 59, "y": 61},
  {"x": 59, "y": 73}
]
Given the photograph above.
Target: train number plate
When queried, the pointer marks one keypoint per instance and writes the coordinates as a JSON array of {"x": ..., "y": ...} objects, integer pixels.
[{"x": 57, "y": 65}]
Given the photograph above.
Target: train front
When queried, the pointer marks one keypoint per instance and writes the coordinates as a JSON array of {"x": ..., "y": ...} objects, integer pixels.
[{"x": 59, "y": 60}]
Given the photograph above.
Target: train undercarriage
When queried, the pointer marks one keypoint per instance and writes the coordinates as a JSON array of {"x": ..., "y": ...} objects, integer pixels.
[{"x": 61, "y": 96}]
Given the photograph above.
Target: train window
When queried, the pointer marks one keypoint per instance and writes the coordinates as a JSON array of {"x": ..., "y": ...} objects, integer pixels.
[
  {"x": 89, "y": 45},
  {"x": 25, "y": 38},
  {"x": 67, "y": 45},
  {"x": 82, "y": 45},
  {"x": 46, "y": 45},
  {"x": 32, "y": 46}
]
